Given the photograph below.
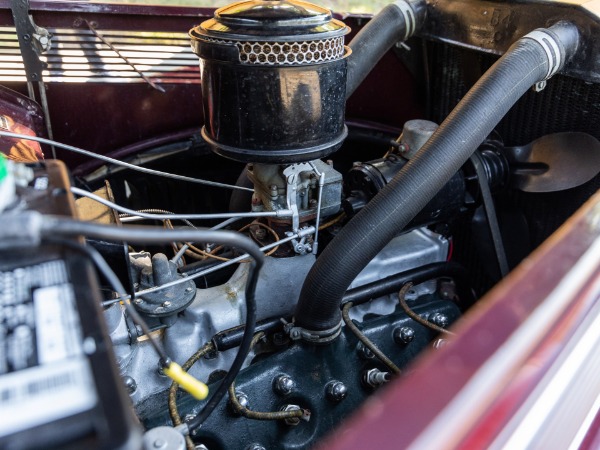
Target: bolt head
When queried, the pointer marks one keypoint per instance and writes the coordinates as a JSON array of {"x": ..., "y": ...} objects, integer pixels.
[
  {"x": 166, "y": 304},
  {"x": 364, "y": 352},
  {"x": 255, "y": 447},
  {"x": 130, "y": 384},
  {"x": 242, "y": 399},
  {"x": 336, "y": 391},
  {"x": 137, "y": 301},
  {"x": 283, "y": 385},
  {"x": 439, "y": 319},
  {"x": 403, "y": 335}
]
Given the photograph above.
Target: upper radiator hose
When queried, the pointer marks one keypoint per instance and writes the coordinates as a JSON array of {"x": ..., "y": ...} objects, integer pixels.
[
  {"x": 533, "y": 58},
  {"x": 396, "y": 22}
]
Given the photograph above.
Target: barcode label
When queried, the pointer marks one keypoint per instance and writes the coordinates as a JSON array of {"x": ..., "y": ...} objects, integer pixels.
[
  {"x": 44, "y": 375},
  {"x": 42, "y": 394}
]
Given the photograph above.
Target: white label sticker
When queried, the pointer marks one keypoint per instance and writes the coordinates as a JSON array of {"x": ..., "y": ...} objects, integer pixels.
[
  {"x": 57, "y": 324},
  {"x": 42, "y": 394}
]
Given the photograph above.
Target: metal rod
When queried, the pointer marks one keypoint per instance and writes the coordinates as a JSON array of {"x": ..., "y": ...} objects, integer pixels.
[
  {"x": 121, "y": 163},
  {"x": 122, "y": 209},
  {"x": 45, "y": 107}
]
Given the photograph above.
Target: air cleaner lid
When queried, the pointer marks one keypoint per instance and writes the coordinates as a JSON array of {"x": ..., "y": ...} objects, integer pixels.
[{"x": 271, "y": 19}]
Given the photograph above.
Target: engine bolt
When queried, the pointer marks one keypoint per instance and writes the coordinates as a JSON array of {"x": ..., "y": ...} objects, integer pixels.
[
  {"x": 364, "y": 352},
  {"x": 403, "y": 335},
  {"x": 166, "y": 304},
  {"x": 283, "y": 385},
  {"x": 255, "y": 447},
  {"x": 439, "y": 319},
  {"x": 260, "y": 233},
  {"x": 242, "y": 400},
  {"x": 291, "y": 421},
  {"x": 336, "y": 391},
  {"x": 130, "y": 384}
]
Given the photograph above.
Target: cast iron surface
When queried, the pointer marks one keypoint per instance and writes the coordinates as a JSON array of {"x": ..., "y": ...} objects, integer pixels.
[{"x": 311, "y": 368}]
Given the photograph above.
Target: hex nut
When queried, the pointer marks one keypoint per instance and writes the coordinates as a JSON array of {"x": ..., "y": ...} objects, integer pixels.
[
  {"x": 336, "y": 391},
  {"x": 403, "y": 335},
  {"x": 283, "y": 384}
]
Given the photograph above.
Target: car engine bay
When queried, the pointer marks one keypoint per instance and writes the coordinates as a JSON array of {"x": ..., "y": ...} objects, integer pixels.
[{"x": 251, "y": 284}]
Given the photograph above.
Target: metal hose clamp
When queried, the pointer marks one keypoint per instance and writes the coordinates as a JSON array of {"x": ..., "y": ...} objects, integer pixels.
[
  {"x": 410, "y": 22},
  {"x": 551, "y": 47},
  {"x": 316, "y": 337}
]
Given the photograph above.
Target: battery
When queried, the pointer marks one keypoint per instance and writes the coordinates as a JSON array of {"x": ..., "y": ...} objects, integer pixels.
[{"x": 59, "y": 383}]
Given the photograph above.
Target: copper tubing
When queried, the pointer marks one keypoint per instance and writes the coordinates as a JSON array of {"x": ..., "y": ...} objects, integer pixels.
[
  {"x": 365, "y": 340},
  {"x": 414, "y": 316}
]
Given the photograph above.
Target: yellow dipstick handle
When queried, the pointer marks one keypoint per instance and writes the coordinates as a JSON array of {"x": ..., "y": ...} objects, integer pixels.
[{"x": 195, "y": 388}]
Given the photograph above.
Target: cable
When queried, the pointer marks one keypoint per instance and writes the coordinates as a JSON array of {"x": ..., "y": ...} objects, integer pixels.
[
  {"x": 204, "y": 272},
  {"x": 115, "y": 284},
  {"x": 365, "y": 340},
  {"x": 121, "y": 163},
  {"x": 127, "y": 217},
  {"x": 332, "y": 221},
  {"x": 184, "y": 247},
  {"x": 66, "y": 227},
  {"x": 240, "y": 409},
  {"x": 414, "y": 316},
  {"x": 242, "y": 353},
  {"x": 199, "y": 254},
  {"x": 173, "y": 411},
  {"x": 131, "y": 212}
]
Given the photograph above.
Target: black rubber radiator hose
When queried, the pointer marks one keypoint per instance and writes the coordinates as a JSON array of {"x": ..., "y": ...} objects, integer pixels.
[
  {"x": 533, "y": 58},
  {"x": 396, "y": 22}
]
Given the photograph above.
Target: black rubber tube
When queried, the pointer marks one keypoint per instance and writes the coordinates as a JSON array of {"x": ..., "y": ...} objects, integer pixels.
[
  {"x": 384, "y": 30},
  {"x": 527, "y": 62},
  {"x": 393, "y": 283}
]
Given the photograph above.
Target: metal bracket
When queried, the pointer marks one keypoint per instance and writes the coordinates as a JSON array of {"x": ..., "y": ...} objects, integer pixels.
[
  {"x": 291, "y": 174},
  {"x": 33, "y": 40},
  {"x": 300, "y": 246}
]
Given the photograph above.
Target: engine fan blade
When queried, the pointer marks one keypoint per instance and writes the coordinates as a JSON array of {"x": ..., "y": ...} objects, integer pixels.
[{"x": 554, "y": 162}]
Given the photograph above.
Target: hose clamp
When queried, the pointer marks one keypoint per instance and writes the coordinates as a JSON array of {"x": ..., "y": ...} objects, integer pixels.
[
  {"x": 316, "y": 337},
  {"x": 550, "y": 47},
  {"x": 410, "y": 22}
]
